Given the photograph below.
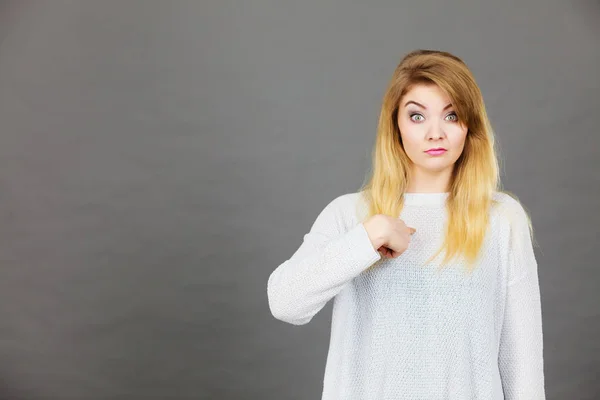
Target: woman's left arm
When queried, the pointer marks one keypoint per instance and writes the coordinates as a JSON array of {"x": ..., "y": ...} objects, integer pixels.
[{"x": 520, "y": 357}]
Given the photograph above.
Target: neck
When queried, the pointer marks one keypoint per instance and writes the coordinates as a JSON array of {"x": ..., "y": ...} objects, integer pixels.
[{"x": 422, "y": 181}]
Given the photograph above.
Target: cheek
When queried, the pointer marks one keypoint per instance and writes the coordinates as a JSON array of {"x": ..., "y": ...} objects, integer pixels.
[
  {"x": 457, "y": 137},
  {"x": 410, "y": 135},
  {"x": 410, "y": 142}
]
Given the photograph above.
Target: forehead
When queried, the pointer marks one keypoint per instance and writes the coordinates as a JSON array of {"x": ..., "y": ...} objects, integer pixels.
[{"x": 428, "y": 95}]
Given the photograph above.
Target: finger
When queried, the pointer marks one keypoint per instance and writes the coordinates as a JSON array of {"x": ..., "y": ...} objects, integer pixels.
[{"x": 412, "y": 230}]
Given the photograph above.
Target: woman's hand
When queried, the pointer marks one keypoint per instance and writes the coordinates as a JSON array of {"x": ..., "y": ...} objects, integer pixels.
[{"x": 389, "y": 236}]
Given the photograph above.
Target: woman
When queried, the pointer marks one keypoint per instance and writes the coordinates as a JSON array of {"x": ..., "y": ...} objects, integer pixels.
[{"x": 405, "y": 324}]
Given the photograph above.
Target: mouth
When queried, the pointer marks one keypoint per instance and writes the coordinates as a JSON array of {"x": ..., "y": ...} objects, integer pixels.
[{"x": 436, "y": 152}]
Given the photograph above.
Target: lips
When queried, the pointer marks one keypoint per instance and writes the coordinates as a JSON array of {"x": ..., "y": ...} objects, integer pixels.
[{"x": 436, "y": 152}]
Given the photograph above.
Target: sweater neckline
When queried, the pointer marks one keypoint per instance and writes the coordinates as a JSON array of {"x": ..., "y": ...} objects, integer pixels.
[{"x": 426, "y": 199}]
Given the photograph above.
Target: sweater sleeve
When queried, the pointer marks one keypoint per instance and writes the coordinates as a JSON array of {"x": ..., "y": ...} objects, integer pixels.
[
  {"x": 327, "y": 259},
  {"x": 520, "y": 357}
]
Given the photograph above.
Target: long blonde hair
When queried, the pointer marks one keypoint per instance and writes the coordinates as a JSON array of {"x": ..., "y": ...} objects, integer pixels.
[{"x": 475, "y": 176}]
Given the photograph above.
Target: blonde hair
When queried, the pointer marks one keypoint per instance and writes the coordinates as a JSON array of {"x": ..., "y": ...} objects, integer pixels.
[{"x": 475, "y": 176}]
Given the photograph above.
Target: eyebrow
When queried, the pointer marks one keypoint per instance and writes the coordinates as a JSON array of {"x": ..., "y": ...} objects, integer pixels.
[{"x": 422, "y": 106}]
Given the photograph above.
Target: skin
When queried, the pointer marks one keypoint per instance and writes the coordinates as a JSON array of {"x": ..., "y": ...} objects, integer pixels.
[{"x": 430, "y": 125}]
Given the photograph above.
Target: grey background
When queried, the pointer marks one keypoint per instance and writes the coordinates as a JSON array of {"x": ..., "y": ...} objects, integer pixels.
[{"x": 158, "y": 159}]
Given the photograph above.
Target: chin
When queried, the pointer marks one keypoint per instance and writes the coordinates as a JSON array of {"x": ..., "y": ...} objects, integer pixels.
[{"x": 435, "y": 166}]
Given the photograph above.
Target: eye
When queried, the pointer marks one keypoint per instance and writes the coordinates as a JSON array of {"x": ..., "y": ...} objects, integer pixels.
[
  {"x": 455, "y": 116},
  {"x": 413, "y": 115}
]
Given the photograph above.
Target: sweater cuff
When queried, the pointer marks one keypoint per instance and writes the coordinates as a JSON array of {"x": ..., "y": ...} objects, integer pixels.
[{"x": 360, "y": 244}]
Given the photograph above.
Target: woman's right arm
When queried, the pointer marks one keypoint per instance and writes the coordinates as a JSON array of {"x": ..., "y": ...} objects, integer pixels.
[{"x": 328, "y": 258}]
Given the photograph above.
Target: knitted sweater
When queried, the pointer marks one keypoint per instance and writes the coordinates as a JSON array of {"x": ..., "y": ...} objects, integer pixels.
[{"x": 403, "y": 331}]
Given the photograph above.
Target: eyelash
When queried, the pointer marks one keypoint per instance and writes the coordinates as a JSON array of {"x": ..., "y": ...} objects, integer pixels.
[{"x": 413, "y": 114}]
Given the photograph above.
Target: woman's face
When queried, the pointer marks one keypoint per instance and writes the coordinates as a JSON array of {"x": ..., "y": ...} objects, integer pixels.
[{"x": 427, "y": 121}]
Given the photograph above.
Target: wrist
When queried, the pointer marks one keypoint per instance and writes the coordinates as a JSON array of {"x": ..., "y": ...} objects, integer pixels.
[{"x": 375, "y": 232}]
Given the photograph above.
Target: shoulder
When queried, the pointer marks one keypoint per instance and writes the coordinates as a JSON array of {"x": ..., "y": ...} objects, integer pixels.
[
  {"x": 511, "y": 215},
  {"x": 346, "y": 203},
  {"x": 507, "y": 207},
  {"x": 343, "y": 210},
  {"x": 340, "y": 203}
]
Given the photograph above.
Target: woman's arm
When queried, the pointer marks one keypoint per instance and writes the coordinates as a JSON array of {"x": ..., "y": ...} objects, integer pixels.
[
  {"x": 520, "y": 358},
  {"x": 328, "y": 258}
]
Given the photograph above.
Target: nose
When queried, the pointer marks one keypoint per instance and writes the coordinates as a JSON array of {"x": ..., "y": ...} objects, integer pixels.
[{"x": 435, "y": 131}]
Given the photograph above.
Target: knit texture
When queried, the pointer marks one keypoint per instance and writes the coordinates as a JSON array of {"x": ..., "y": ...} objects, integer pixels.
[{"x": 401, "y": 330}]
